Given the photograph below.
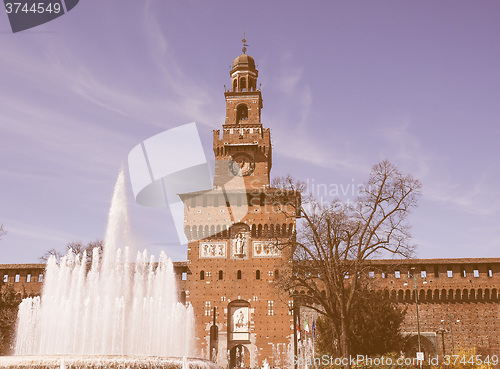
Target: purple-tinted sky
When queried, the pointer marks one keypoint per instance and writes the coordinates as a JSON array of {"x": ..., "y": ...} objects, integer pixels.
[{"x": 345, "y": 85}]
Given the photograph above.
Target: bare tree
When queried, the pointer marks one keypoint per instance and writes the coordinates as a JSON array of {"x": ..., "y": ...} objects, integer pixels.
[
  {"x": 335, "y": 240},
  {"x": 52, "y": 252},
  {"x": 77, "y": 248},
  {"x": 3, "y": 232}
]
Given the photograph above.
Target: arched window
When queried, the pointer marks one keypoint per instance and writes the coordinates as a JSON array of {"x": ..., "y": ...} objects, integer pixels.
[
  {"x": 238, "y": 274},
  {"x": 257, "y": 274},
  {"x": 187, "y": 232},
  {"x": 221, "y": 275},
  {"x": 235, "y": 85},
  {"x": 202, "y": 275},
  {"x": 276, "y": 274},
  {"x": 408, "y": 295},
  {"x": 242, "y": 112},
  {"x": 243, "y": 84}
]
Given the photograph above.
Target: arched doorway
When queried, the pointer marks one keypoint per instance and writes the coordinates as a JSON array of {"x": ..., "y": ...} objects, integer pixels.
[
  {"x": 428, "y": 344},
  {"x": 238, "y": 334},
  {"x": 239, "y": 357}
]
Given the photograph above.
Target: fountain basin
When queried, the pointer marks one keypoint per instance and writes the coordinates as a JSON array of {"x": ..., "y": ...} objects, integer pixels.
[{"x": 103, "y": 362}]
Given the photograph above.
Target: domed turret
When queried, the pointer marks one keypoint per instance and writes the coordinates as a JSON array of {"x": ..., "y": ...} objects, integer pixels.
[
  {"x": 243, "y": 72},
  {"x": 244, "y": 61}
]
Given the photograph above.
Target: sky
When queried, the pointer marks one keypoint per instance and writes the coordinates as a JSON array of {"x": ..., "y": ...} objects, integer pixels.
[{"x": 345, "y": 85}]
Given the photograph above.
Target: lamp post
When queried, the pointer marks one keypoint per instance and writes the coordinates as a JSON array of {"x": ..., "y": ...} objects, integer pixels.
[
  {"x": 442, "y": 331},
  {"x": 451, "y": 332},
  {"x": 413, "y": 270}
]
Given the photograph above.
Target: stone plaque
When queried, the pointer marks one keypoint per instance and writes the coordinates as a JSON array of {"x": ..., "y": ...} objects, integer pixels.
[
  {"x": 213, "y": 250},
  {"x": 240, "y": 327},
  {"x": 265, "y": 249}
]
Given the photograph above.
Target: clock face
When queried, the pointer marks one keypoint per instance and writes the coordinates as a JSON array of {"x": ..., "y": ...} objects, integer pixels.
[{"x": 241, "y": 165}]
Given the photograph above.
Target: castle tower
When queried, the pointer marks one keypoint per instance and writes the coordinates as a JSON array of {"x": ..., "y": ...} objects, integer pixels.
[
  {"x": 244, "y": 143},
  {"x": 235, "y": 234}
]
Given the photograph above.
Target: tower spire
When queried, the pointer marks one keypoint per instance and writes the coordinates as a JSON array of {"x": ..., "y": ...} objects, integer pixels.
[{"x": 244, "y": 41}]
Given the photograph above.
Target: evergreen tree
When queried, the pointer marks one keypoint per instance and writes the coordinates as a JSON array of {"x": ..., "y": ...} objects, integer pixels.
[
  {"x": 374, "y": 327},
  {"x": 9, "y": 303}
]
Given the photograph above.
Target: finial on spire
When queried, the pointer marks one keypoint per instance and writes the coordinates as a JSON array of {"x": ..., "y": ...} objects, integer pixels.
[{"x": 244, "y": 41}]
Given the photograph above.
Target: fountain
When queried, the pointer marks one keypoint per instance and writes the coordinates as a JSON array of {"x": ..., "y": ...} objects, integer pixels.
[
  {"x": 265, "y": 364},
  {"x": 115, "y": 314}
]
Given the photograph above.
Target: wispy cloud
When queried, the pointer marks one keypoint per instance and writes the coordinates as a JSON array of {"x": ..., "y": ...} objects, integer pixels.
[
  {"x": 295, "y": 132},
  {"x": 478, "y": 199},
  {"x": 32, "y": 233},
  {"x": 441, "y": 185},
  {"x": 405, "y": 147}
]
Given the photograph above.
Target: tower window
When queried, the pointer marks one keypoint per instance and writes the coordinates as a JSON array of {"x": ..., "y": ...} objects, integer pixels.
[
  {"x": 476, "y": 271},
  {"x": 238, "y": 274},
  {"x": 257, "y": 274},
  {"x": 276, "y": 274},
  {"x": 221, "y": 274},
  {"x": 5, "y": 278},
  {"x": 235, "y": 85},
  {"x": 270, "y": 307},
  {"x": 243, "y": 84},
  {"x": 242, "y": 112},
  {"x": 202, "y": 275}
]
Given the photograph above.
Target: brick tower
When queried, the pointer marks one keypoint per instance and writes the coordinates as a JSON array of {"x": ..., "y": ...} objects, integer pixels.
[{"x": 234, "y": 231}]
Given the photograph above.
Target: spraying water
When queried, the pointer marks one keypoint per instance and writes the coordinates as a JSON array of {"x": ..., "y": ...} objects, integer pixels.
[{"x": 115, "y": 308}]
